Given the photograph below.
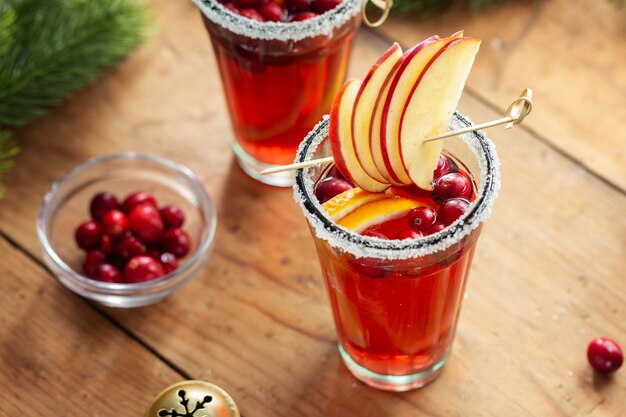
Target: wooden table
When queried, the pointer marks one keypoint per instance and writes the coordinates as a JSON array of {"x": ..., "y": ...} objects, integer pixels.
[{"x": 547, "y": 278}]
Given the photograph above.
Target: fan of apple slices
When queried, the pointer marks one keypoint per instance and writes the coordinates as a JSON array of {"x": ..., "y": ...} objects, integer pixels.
[{"x": 378, "y": 125}]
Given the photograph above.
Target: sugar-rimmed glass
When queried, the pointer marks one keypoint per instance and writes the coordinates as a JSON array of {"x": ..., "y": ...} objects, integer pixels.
[
  {"x": 66, "y": 205},
  {"x": 396, "y": 303},
  {"x": 278, "y": 78}
]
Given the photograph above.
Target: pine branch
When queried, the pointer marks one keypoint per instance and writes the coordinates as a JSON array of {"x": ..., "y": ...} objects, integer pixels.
[{"x": 8, "y": 149}]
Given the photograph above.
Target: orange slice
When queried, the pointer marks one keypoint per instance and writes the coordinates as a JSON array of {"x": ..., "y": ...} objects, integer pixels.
[
  {"x": 377, "y": 212},
  {"x": 345, "y": 203}
]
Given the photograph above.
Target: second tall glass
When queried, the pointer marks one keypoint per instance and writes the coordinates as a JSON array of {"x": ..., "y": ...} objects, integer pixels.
[{"x": 278, "y": 78}]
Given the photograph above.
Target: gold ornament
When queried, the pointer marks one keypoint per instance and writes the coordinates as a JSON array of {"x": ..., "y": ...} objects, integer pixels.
[{"x": 192, "y": 399}]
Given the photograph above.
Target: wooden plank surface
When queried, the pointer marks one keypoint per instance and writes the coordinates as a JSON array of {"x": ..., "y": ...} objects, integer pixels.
[
  {"x": 546, "y": 278},
  {"x": 572, "y": 53}
]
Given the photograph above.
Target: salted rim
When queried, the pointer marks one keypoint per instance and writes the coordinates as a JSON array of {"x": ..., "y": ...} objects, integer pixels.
[
  {"x": 372, "y": 247},
  {"x": 323, "y": 24}
]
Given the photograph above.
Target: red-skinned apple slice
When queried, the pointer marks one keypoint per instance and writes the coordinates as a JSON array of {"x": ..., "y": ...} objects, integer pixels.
[
  {"x": 429, "y": 108},
  {"x": 365, "y": 104},
  {"x": 340, "y": 138},
  {"x": 400, "y": 88}
]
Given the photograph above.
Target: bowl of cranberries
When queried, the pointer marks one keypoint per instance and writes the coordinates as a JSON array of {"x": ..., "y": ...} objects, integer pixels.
[{"x": 126, "y": 230}]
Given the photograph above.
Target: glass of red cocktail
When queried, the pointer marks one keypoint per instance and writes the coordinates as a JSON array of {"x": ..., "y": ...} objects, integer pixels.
[
  {"x": 396, "y": 303},
  {"x": 279, "y": 78}
]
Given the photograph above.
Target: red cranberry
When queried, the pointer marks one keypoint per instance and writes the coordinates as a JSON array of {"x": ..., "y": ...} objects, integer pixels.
[
  {"x": 409, "y": 234},
  {"x": 330, "y": 187},
  {"x": 247, "y": 4},
  {"x": 373, "y": 233},
  {"x": 94, "y": 259},
  {"x": 436, "y": 228},
  {"x": 137, "y": 199},
  {"x": 106, "y": 245},
  {"x": 604, "y": 355},
  {"x": 176, "y": 241},
  {"x": 142, "y": 269},
  {"x": 169, "y": 262},
  {"x": 272, "y": 11},
  {"x": 452, "y": 210},
  {"x": 322, "y": 6},
  {"x": 114, "y": 224},
  {"x": 422, "y": 218},
  {"x": 453, "y": 185},
  {"x": 88, "y": 235},
  {"x": 101, "y": 203},
  {"x": 146, "y": 224},
  {"x": 108, "y": 273},
  {"x": 172, "y": 216},
  {"x": 128, "y": 247},
  {"x": 252, "y": 14},
  {"x": 443, "y": 167},
  {"x": 298, "y": 5},
  {"x": 153, "y": 253},
  {"x": 231, "y": 7},
  {"x": 303, "y": 16},
  {"x": 334, "y": 172}
]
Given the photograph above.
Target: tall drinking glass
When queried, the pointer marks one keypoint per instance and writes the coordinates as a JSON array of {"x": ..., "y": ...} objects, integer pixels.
[
  {"x": 396, "y": 303},
  {"x": 278, "y": 78}
]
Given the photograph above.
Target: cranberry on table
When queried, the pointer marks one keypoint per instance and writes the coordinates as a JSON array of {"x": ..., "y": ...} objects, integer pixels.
[
  {"x": 252, "y": 14},
  {"x": 176, "y": 241},
  {"x": 108, "y": 273},
  {"x": 604, "y": 355},
  {"x": 101, "y": 203},
  {"x": 114, "y": 224},
  {"x": 93, "y": 260},
  {"x": 452, "y": 185},
  {"x": 128, "y": 247},
  {"x": 452, "y": 210},
  {"x": 88, "y": 235},
  {"x": 272, "y": 11},
  {"x": 330, "y": 187},
  {"x": 422, "y": 218},
  {"x": 409, "y": 234},
  {"x": 137, "y": 199},
  {"x": 443, "y": 167},
  {"x": 146, "y": 224},
  {"x": 169, "y": 262},
  {"x": 172, "y": 216},
  {"x": 322, "y": 6},
  {"x": 142, "y": 268},
  {"x": 303, "y": 16}
]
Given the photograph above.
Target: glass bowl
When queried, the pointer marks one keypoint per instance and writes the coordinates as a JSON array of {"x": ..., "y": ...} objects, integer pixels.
[{"x": 66, "y": 205}]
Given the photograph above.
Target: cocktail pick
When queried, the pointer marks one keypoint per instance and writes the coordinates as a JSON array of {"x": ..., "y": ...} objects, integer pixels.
[{"x": 515, "y": 114}]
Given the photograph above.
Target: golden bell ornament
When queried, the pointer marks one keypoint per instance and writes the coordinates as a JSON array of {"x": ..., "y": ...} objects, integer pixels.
[{"x": 192, "y": 399}]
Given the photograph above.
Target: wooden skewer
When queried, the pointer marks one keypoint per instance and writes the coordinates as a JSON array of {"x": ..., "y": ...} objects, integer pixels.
[{"x": 515, "y": 113}]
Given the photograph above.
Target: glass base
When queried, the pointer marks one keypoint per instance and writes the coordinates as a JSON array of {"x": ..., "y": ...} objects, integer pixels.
[
  {"x": 253, "y": 168},
  {"x": 396, "y": 383}
]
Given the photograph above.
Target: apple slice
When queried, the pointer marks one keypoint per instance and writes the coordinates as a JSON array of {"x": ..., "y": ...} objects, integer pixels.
[
  {"x": 429, "y": 108},
  {"x": 365, "y": 102},
  {"x": 341, "y": 143},
  {"x": 399, "y": 91}
]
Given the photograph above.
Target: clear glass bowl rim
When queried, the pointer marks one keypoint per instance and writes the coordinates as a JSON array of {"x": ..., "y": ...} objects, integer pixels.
[{"x": 205, "y": 206}]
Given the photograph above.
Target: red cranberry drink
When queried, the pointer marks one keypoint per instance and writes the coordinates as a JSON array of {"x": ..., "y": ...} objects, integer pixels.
[
  {"x": 395, "y": 219},
  {"x": 281, "y": 63}
]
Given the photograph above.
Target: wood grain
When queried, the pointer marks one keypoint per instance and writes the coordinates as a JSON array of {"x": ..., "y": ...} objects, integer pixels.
[{"x": 547, "y": 276}]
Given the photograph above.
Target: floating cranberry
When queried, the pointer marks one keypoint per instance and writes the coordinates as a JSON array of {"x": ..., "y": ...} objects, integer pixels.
[
  {"x": 108, "y": 273},
  {"x": 176, "y": 241},
  {"x": 322, "y": 6},
  {"x": 272, "y": 11},
  {"x": 247, "y": 4},
  {"x": 231, "y": 7},
  {"x": 146, "y": 224},
  {"x": 443, "y": 167},
  {"x": 422, "y": 218},
  {"x": 169, "y": 262},
  {"x": 114, "y": 224},
  {"x": 373, "y": 233},
  {"x": 94, "y": 259},
  {"x": 604, "y": 355},
  {"x": 409, "y": 234},
  {"x": 334, "y": 172},
  {"x": 452, "y": 210},
  {"x": 101, "y": 203},
  {"x": 172, "y": 216},
  {"x": 452, "y": 185},
  {"x": 142, "y": 268},
  {"x": 330, "y": 187},
  {"x": 298, "y": 5},
  {"x": 303, "y": 16},
  {"x": 436, "y": 228},
  {"x": 252, "y": 14},
  {"x": 129, "y": 247},
  {"x": 137, "y": 199},
  {"x": 88, "y": 235}
]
